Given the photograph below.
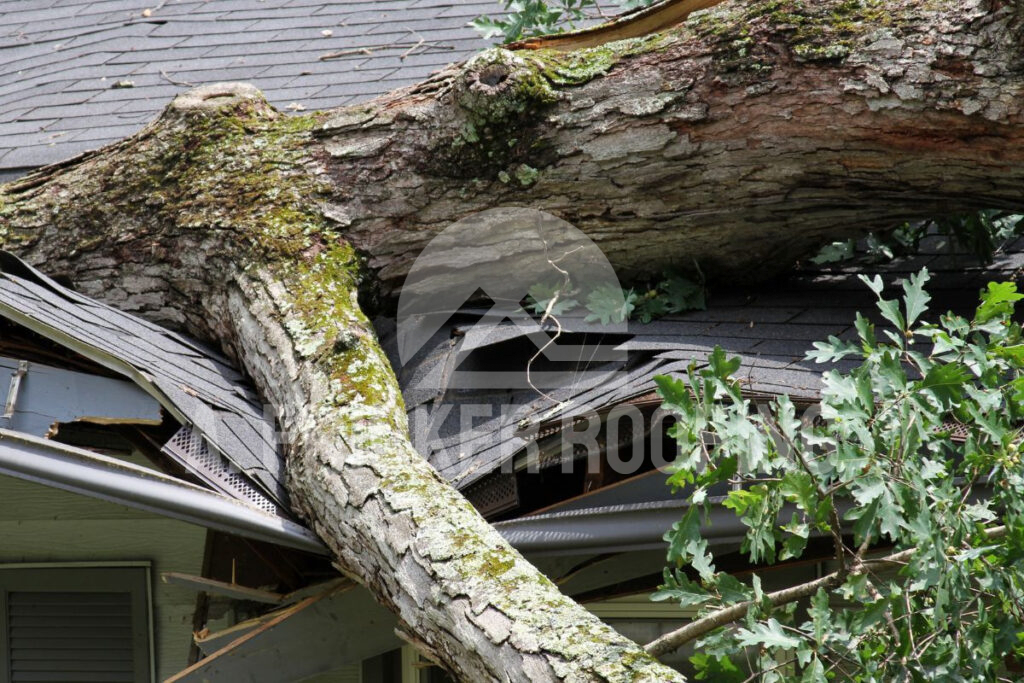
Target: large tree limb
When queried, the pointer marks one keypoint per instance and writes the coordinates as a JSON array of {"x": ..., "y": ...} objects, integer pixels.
[
  {"x": 740, "y": 142},
  {"x": 217, "y": 204}
]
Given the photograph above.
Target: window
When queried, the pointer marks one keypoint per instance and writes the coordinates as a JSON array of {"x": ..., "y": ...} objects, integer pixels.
[{"x": 74, "y": 624}]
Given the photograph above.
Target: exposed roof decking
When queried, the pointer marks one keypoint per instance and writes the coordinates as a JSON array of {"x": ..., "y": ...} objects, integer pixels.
[{"x": 60, "y": 60}]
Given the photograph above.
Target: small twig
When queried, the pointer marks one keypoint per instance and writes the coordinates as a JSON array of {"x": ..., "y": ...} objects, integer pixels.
[
  {"x": 601, "y": 12},
  {"x": 761, "y": 672},
  {"x": 890, "y": 622},
  {"x": 411, "y": 49},
  {"x": 864, "y": 546},
  {"x": 910, "y": 625},
  {"x": 170, "y": 80},
  {"x": 549, "y": 313},
  {"x": 835, "y": 524},
  {"x": 409, "y": 46},
  {"x": 346, "y": 53}
]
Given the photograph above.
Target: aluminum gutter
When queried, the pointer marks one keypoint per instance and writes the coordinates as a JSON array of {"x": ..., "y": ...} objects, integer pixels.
[
  {"x": 618, "y": 528},
  {"x": 615, "y": 528},
  {"x": 99, "y": 476},
  {"x": 637, "y": 526}
]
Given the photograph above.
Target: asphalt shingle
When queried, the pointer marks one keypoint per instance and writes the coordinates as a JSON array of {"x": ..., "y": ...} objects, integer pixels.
[
  {"x": 60, "y": 59},
  {"x": 211, "y": 395},
  {"x": 788, "y": 317}
]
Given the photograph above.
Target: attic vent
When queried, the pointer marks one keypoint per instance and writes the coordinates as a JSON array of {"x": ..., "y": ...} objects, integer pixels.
[
  {"x": 494, "y": 494},
  {"x": 189, "y": 448}
]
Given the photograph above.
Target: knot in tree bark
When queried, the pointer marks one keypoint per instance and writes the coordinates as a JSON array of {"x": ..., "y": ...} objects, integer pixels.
[
  {"x": 232, "y": 99},
  {"x": 501, "y": 100}
]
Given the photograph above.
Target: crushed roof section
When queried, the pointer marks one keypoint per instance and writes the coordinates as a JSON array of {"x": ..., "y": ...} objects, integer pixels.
[
  {"x": 197, "y": 385},
  {"x": 64, "y": 64},
  {"x": 770, "y": 329}
]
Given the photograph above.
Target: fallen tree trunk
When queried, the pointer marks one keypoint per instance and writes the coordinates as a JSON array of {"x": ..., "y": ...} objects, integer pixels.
[{"x": 739, "y": 143}]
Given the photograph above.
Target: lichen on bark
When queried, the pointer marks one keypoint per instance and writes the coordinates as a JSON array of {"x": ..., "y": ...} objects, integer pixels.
[
  {"x": 222, "y": 199},
  {"x": 256, "y": 229}
]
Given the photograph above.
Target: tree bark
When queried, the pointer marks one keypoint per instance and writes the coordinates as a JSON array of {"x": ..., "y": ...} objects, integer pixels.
[{"x": 738, "y": 142}]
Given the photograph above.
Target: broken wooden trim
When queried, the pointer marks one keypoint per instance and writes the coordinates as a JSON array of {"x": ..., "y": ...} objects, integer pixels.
[
  {"x": 221, "y": 588},
  {"x": 277, "y": 619},
  {"x": 298, "y": 640}
]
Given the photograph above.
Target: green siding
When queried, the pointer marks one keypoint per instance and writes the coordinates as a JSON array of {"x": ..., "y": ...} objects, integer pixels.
[
  {"x": 42, "y": 524},
  {"x": 349, "y": 674}
]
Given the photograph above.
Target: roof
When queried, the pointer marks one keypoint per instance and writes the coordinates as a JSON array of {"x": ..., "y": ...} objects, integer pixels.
[
  {"x": 77, "y": 74},
  {"x": 770, "y": 328},
  {"x": 196, "y": 385}
]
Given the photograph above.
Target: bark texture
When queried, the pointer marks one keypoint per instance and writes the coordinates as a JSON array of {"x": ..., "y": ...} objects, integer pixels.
[
  {"x": 213, "y": 218},
  {"x": 738, "y": 142}
]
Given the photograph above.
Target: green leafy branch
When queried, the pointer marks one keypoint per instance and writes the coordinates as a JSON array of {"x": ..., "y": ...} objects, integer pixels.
[
  {"x": 881, "y": 468},
  {"x": 610, "y": 304},
  {"x": 525, "y": 18},
  {"x": 982, "y": 233}
]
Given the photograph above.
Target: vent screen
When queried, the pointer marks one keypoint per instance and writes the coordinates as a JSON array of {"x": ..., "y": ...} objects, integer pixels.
[
  {"x": 957, "y": 430},
  {"x": 189, "y": 448},
  {"x": 496, "y": 493}
]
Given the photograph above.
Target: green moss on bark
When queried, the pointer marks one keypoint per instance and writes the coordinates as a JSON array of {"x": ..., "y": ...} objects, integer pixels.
[
  {"x": 241, "y": 169},
  {"x": 502, "y": 99},
  {"x": 582, "y": 66},
  {"x": 328, "y": 327},
  {"x": 247, "y": 174},
  {"x": 814, "y": 31}
]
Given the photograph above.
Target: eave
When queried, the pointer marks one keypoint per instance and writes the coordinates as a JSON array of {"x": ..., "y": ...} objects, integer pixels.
[{"x": 98, "y": 476}]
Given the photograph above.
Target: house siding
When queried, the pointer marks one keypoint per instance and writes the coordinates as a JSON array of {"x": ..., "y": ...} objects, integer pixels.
[{"x": 42, "y": 524}]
